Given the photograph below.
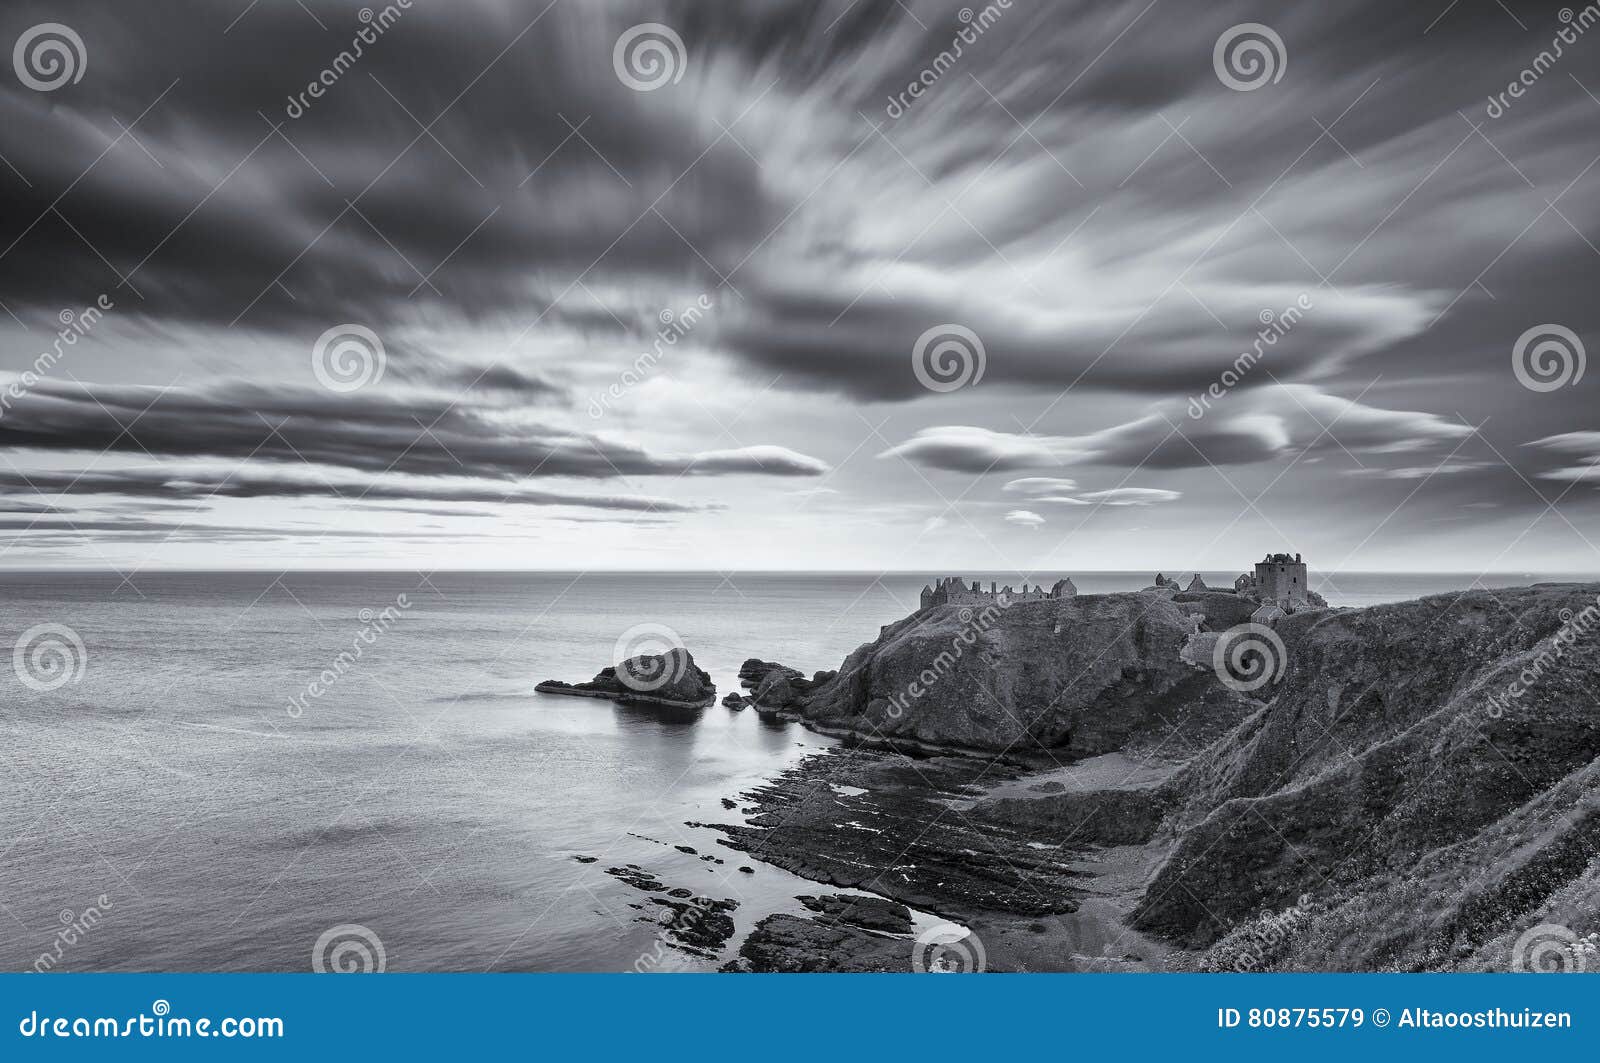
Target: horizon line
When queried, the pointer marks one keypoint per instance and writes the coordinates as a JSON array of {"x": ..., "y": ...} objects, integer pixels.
[{"x": 596, "y": 570}]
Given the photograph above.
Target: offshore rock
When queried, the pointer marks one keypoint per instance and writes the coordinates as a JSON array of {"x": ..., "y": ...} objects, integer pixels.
[{"x": 668, "y": 679}]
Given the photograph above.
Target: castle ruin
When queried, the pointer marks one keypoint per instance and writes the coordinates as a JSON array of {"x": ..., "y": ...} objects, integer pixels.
[
  {"x": 952, "y": 590},
  {"x": 1280, "y": 580},
  {"x": 1280, "y": 584}
]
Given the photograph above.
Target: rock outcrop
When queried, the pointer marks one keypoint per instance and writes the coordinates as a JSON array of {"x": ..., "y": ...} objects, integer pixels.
[
  {"x": 781, "y": 688},
  {"x": 1071, "y": 677},
  {"x": 754, "y": 670},
  {"x": 670, "y": 679}
]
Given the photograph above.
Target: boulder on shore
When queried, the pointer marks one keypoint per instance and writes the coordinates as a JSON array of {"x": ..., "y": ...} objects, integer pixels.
[
  {"x": 754, "y": 670},
  {"x": 785, "y": 688},
  {"x": 671, "y": 679}
]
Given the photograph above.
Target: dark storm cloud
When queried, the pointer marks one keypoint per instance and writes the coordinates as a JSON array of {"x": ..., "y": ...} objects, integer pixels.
[
  {"x": 543, "y": 165},
  {"x": 350, "y": 211},
  {"x": 374, "y": 432}
]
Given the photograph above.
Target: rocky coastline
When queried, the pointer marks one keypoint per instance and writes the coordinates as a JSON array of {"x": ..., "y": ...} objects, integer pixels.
[{"x": 1077, "y": 787}]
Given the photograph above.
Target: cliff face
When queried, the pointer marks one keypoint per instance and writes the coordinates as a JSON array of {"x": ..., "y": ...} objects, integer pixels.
[
  {"x": 1074, "y": 676},
  {"x": 1420, "y": 787}
]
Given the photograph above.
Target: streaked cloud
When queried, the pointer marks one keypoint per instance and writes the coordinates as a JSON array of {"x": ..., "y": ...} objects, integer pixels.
[
  {"x": 1262, "y": 425},
  {"x": 371, "y": 431},
  {"x": 1080, "y": 192},
  {"x": 203, "y": 482}
]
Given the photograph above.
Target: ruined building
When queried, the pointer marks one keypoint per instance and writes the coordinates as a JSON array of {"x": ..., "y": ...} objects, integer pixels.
[
  {"x": 1279, "y": 580},
  {"x": 954, "y": 591}
]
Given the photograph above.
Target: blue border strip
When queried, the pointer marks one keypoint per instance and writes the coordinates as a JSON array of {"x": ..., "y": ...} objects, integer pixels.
[{"x": 804, "y": 1018}]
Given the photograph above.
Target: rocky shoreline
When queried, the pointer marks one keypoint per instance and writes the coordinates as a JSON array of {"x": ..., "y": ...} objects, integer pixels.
[
  {"x": 1383, "y": 805},
  {"x": 922, "y": 834}
]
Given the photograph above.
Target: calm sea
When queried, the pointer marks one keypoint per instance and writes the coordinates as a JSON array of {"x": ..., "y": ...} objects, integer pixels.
[{"x": 216, "y": 813}]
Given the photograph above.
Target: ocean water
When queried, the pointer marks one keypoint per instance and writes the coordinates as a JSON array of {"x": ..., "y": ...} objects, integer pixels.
[{"x": 215, "y": 811}]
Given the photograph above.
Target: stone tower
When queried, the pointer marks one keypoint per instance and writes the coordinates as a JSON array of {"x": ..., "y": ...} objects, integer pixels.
[{"x": 1281, "y": 580}]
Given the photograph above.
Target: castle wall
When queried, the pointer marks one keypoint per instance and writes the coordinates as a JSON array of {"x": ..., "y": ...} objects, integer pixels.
[
  {"x": 957, "y": 592},
  {"x": 1279, "y": 581}
]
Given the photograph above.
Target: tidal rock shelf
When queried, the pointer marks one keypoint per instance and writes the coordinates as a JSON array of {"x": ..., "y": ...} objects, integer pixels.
[
  {"x": 848, "y": 934},
  {"x": 890, "y": 831}
]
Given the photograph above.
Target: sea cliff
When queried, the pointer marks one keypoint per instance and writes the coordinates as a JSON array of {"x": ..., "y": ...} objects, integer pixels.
[{"x": 1418, "y": 786}]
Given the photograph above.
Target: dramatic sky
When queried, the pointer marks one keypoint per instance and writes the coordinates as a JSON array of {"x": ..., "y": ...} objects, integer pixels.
[{"x": 527, "y": 285}]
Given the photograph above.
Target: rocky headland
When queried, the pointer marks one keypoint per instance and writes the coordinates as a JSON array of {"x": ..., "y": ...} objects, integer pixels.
[{"x": 1083, "y": 785}]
